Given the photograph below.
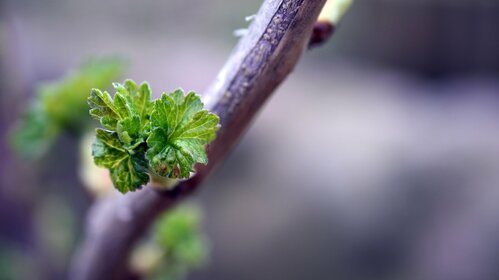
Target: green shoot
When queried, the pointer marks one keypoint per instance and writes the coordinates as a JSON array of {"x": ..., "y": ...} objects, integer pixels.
[
  {"x": 60, "y": 107},
  {"x": 140, "y": 137}
]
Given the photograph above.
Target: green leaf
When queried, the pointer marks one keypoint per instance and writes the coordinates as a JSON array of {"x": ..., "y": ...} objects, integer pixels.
[
  {"x": 128, "y": 114},
  {"x": 128, "y": 169},
  {"x": 60, "y": 107},
  {"x": 139, "y": 98},
  {"x": 166, "y": 137},
  {"x": 178, "y": 245},
  {"x": 121, "y": 147},
  {"x": 180, "y": 130},
  {"x": 179, "y": 234},
  {"x": 103, "y": 108},
  {"x": 64, "y": 100},
  {"x": 34, "y": 134}
]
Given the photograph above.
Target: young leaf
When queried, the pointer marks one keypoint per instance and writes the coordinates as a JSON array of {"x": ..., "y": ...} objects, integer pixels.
[
  {"x": 103, "y": 108},
  {"x": 179, "y": 233},
  {"x": 177, "y": 246},
  {"x": 128, "y": 169},
  {"x": 138, "y": 97},
  {"x": 128, "y": 114},
  {"x": 65, "y": 100},
  {"x": 166, "y": 137},
  {"x": 34, "y": 135},
  {"x": 180, "y": 130},
  {"x": 60, "y": 107},
  {"x": 121, "y": 148}
]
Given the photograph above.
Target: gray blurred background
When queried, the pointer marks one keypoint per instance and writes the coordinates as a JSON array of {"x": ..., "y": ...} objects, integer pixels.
[{"x": 378, "y": 158}]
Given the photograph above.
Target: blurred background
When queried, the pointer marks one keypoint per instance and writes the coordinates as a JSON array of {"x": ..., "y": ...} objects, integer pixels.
[{"x": 378, "y": 158}]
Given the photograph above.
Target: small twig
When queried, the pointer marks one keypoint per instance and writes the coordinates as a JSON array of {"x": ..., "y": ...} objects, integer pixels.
[
  {"x": 260, "y": 62},
  {"x": 323, "y": 29},
  {"x": 329, "y": 18}
]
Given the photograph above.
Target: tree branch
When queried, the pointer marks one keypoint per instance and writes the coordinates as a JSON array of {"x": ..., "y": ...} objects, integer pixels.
[{"x": 260, "y": 62}]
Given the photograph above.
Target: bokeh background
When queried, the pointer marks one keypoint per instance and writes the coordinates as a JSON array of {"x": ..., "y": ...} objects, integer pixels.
[{"x": 378, "y": 158}]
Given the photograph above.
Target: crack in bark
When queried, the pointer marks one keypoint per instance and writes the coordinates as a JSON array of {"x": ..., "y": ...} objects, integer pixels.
[{"x": 258, "y": 57}]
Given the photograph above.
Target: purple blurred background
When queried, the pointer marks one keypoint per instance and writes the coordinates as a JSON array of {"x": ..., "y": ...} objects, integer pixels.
[{"x": 378, "y": 158}]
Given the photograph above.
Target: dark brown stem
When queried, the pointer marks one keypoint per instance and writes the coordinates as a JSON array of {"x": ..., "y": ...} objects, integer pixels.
[
  {"x": 321, "y": 33},
  {"x": 260, "y": 62}
]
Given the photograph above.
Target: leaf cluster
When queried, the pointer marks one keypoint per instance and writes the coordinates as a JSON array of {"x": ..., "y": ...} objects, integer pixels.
[
  {"x": 177, "y": 245},
  {"x": 179, "y": 234},
  {"x": 165, "y": 137},
  {"x": 60, "y": 106}
]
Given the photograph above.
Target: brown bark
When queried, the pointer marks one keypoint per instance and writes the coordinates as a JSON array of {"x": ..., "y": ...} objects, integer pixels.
[{"x": 259, "y": 63}]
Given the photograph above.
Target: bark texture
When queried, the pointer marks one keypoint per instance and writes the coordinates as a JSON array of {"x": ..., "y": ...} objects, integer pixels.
[{"x": 259, "y": 63}]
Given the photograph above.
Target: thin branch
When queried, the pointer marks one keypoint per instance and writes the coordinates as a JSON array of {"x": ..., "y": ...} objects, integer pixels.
[
  {"x": 322, "y": 31},
  {"x": 260, "y": 62},
  {"x": 329, "y": 18}
]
